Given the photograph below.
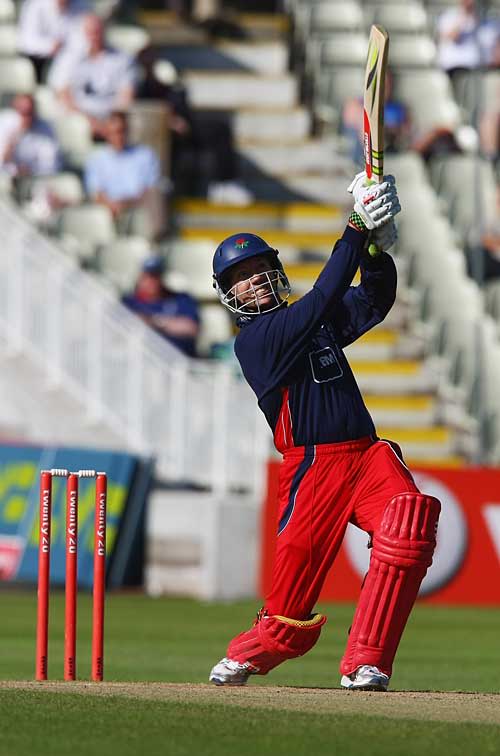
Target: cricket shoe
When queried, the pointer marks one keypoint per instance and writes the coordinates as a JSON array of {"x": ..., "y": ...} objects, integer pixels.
[
  {"x": 229, "y": 672},
  {"x": 365, "y": 678}
]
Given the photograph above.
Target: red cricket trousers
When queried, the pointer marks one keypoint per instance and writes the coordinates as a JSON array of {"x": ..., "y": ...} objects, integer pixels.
[{"x": 321, "y": 489}]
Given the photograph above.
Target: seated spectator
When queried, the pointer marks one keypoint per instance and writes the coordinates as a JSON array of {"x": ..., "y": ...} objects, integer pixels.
[
  {"x": 28, "y": 146},
  {"x": 125, "y": 177},
  {"x": 46, "y": 26},
  {"x": 397, "y": 123},
  {"x": 192, "y": 136},
  {"x": 174, "y": 315},
  {"x": 101, "y": 81}
]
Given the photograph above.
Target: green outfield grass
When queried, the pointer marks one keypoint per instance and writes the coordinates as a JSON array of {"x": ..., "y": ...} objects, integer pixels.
[{"x": 177, "y": 641}]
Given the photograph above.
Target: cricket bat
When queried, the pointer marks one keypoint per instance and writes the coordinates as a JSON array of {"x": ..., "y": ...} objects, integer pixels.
[
  {"x": 373, "y": 106},
  {"x": 373, "y": 110}
]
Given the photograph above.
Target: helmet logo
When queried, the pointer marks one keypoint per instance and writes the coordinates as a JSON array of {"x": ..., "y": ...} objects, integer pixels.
[{"x": 241, "y": 243}]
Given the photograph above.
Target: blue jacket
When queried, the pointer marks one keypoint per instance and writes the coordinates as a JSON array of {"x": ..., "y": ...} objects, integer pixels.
[{"x": 293, "y": 359}]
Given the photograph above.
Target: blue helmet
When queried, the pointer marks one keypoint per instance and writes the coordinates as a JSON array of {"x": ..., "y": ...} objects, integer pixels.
[{"x": 237, "y": 248}]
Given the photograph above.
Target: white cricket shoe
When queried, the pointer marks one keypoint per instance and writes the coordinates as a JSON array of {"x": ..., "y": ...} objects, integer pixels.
[
  {"x": 365, "y": 678},
  {"x": 229, "y": 672}
]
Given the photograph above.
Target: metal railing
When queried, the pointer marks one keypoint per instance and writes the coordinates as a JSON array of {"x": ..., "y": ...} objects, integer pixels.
[{"x": 199, "y": 420}]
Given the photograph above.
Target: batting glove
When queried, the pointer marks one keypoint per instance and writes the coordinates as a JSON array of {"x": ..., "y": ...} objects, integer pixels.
[
  {"x": 376, "y": 204},
  {"x": 385, "y": 236}
]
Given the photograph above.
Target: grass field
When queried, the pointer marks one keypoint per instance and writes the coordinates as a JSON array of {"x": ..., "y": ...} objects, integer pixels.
[{"x": 159, "y": 653}]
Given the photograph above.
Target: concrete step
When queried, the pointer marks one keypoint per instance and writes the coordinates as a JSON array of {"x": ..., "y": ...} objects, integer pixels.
[
  {"x": 313, "y": 156},
  {"x": 308, "y": 241},
  {"x": 214, "y": 90},
  {"x": 421, "y": 443},
  {"x": 451, "y": 461},
  {"x": 403, "y": 411},
  {"x": 165, "y": 28},
  {"x": 294, "y": 217},
  {"x": 394, "y": 376},
  {"x": 325, "y": 189},
  {"x": 269, "y": 58},
  {"x": 271, "y": 125}
]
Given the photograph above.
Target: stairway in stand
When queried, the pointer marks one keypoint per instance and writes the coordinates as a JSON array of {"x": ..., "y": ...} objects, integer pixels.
[{"x": 299, "y": 182}]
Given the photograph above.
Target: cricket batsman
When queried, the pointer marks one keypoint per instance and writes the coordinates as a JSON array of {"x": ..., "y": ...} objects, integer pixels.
[{"x": 335, "y": 469}]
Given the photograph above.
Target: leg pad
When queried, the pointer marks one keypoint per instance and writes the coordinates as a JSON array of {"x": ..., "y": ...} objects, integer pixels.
[
  {"x": 402, "y": 552},
  {"x": 274, "y": 639}
]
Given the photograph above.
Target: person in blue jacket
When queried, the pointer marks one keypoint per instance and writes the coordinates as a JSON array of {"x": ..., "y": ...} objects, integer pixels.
[
  {"x": 335, "y": 469},
  {"x": 172, "y": 314}
]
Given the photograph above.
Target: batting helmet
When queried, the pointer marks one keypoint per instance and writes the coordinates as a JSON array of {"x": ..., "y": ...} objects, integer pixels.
[{"x": 234, "y": 250}]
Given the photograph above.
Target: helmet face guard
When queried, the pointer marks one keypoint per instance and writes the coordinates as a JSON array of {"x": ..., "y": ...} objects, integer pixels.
[{"x": 261, "y": 292}]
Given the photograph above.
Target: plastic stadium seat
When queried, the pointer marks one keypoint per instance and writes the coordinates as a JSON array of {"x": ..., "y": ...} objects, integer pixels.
[
  {"x": 193, "y": 259},
  {"x": 333, "y": 87},
  {"x": 405, "y": 17},
  {"x": 328, "y": 16},
  {"x": 321, "y": 18},
  {"x": 8, "y": 40},
  {"x": 65, "y": 186},
  {"x": 120, "y": 261},
  {"x": 129, "y": 39},
  {"x": 47, "y": 105},
  {"x": 215, "y": 328},
  {"x": 7, "y": 11},
  {"x": 339, "y": 49},
  {"x": 408, "y": 50},
  {"x": 16, "y": 75},
  {"x": 477, "y": 89},
  {"x": 88, "y": 227},
  {"x": 428, "y": 94},
  {"x": 74, "y": 135},
  {"x": 455, "y": 177},
  {"x": 413, "y": 84}
]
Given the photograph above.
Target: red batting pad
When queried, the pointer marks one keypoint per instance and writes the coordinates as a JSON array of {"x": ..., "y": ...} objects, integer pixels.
[
  {"x": 402, "y": 552},
  {"x": 273, "y": 640}
]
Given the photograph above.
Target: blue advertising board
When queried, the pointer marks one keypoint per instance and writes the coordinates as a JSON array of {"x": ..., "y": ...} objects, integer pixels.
[{"x": 20, "y": 468}]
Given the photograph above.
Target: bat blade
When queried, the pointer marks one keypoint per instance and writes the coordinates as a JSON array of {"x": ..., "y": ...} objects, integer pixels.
[{"x": 373, "y": 110}]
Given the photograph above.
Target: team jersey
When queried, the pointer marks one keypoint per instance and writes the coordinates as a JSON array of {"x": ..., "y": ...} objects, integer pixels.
[{"x": 293, "y": 357}]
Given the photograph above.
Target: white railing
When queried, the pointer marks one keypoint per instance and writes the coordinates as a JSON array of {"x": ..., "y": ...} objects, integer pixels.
[{"x": 199, "y": 420}]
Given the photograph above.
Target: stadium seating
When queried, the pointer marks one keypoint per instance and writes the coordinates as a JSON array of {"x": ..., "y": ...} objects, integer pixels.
[
  {"x": 86, "y": 228},
  {"x": 120, "y": 260},
  {"x": 419, "y": 369},
  {"x": 8, "y": 40},
  {"x": 16, "y": 75}
]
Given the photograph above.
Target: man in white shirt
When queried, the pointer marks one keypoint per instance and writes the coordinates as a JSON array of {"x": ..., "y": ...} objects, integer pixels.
[
  {"x": 47, "y": 26},
  {"x": 101, "y": 81},
  {"x": 28, "y": 146},
  {"x": 458, "y": 43}
]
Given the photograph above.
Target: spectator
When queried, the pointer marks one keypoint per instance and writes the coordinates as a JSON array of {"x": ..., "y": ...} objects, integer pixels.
[
  {"x": 101, "y": 81},
  {"x": 192, "y": 137},
  {"x": 28, "y": 146},
  {"x": 458, "y": 44},
  {"x": 397, "y": 123},
  {"x": 46, "y": 26},
  {"x": 125, "y": 177},
  {"x": 174, "y": 315}
]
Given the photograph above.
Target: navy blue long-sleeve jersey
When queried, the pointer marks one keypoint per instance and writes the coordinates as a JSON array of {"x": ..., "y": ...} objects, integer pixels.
[{"x": 293, "y": 359}]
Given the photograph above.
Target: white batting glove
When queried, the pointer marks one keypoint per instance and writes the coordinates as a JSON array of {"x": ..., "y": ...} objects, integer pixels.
[
  {"x": 385, "y": 236},
  {"x": 376, "y": 204}
]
